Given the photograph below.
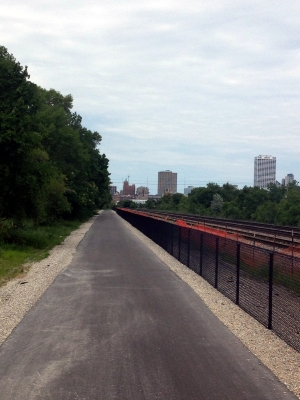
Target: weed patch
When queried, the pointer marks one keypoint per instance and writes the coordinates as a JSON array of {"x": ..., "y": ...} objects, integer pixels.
[{"x": 23, "y": 246}]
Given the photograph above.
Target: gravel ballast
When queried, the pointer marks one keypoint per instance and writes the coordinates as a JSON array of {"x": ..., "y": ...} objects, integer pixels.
[{"x": 20, "y": 294}]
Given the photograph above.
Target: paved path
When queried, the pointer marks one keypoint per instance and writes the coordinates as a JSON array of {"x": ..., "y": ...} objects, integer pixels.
[{"x": 118, "y": 324}]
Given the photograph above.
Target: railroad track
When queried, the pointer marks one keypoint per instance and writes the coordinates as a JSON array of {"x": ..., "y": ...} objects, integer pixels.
[{"x": 270, "y": 236}]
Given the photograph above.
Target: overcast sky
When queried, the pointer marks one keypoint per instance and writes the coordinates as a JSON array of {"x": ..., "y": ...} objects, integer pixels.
[{"x": 196, "y": 87}]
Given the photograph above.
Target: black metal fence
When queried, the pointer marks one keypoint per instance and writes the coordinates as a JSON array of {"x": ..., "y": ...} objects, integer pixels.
[{"x": 264, "y": 283}]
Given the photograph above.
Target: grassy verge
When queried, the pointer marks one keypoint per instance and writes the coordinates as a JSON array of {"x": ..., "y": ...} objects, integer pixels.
[{"x": 22, "y": 246}]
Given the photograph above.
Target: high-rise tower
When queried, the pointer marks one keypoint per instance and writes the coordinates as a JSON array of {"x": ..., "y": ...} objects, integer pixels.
[
  {"x": 167, "y": 182},
  {"x": 264, "y": 171},
  {"x": 128, "y": 190},
  {"x": 289, "y": 179}
]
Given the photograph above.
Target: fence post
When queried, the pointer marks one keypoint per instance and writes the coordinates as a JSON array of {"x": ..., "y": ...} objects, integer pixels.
[
  {"x": 179, "y": 242},
  {"x": 201, "y": 253},
  {"x": 189, "y": 247},
  {"x": 172, "y": 238},
  {"x": 271, "y": 264},
  {"x": 238, "y": 257},
  {"x": 156, "y": 231},
  {"x": 163, "y": 245},
  {"x": 217, "y": 262},
  {"x": 150, "y": 225},
  {"x": 292, "y": 251},
  {"x": 159, "y": 231}
]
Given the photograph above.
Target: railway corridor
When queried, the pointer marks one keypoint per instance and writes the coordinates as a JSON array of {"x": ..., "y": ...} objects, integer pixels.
[
  {"x": 117, "y": 323},
  {"x": 273, "y": 237}
]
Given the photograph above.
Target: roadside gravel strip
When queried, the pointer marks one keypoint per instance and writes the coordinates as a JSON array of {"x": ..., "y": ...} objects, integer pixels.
[{"x": 20, "y": 294}]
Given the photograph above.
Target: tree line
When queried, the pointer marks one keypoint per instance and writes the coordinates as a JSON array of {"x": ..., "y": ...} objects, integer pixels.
[
  {"x": 278, "y": 205},
  {"x": 50, "y": 165}
]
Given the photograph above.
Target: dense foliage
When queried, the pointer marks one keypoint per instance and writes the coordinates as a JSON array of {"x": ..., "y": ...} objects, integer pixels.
[
  {"x": 277, "y": 205},
  {"x": 50, "y": 165}
]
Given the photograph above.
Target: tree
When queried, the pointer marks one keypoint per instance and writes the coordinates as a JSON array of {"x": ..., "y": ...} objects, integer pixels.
[
  {"x": 73, "y": 149},
  {"x": 23, "y": 163},
  {"x": 127, "y": 204},
  {"x": 266, "y": 212},
  {"x": 289, "y": 207},
  {"x": 248, "y": 199},
  {"x": 276, "y": 193},
  {"x": 216, "y": 204},
  {"x": 230, "y": 210},
  {"x": 50, "y": 165},
  {"x": 150, "y": 204},
  {"x": 228, "y": 192},
  {"x": 183, "y": 204}
]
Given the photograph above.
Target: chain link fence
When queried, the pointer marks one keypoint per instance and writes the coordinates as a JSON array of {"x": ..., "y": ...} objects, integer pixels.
[{"x": 264, "y": 283}]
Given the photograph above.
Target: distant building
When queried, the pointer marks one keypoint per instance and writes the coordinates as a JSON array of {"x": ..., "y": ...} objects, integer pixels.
[
  {"x": 264, "y": 171},
  {"x": 154, "y": 197},
  {"x": 288, "y": 179},
  {"x": 142, "y": 193},
  {"x": 139, "y": 201},
  {"x": 128, "y": 190},
  {"x": 167, "y": 182},
  {"x": 127, "y": 197},
  {"x": 113, "y": 190},
  {"x": 187, "y": 191},
  {"x": 116, "y": 198}
]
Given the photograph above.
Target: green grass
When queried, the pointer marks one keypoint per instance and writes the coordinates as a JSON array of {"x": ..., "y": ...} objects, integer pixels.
[{"x": 22, "y": 246}]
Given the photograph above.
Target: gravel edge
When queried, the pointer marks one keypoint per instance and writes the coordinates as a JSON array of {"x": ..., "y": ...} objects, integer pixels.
[
  {"x": 20, "y": 294},
  {"x": 272, "y": 351}
]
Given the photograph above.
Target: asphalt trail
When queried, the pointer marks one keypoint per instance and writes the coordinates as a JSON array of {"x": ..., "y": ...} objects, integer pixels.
[{"x": 118, "y": 324}]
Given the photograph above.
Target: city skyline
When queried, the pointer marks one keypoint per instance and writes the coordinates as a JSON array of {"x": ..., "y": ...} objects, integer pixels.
[
  {"x": 182, "y": 185},
  {"x": 195, "y": 87}
]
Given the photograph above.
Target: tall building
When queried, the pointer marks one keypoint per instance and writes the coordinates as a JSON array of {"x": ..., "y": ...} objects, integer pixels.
[
  {"x": 264, "y": 171},
  {"x": 142, "y": 192},
  {"x": 167, "y": 182},
  {"x": 113, "y": 190},
  {"x": 289, "y": 179},
  {"x": 188, "y": 190},
  {"x": 128, "y": 190}
]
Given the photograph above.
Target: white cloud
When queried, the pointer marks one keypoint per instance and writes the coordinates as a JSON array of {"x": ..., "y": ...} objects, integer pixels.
[{"x": 200, "y": 88}]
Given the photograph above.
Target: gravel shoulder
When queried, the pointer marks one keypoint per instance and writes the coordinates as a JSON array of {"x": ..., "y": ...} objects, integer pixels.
[{"x": 20, "y": 294}]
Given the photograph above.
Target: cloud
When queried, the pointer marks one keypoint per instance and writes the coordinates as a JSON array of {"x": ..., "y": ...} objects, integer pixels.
[{"x": 198, "y": 87}]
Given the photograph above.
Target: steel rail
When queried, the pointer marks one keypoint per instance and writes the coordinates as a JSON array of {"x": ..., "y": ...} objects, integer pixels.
[{"x": 275, "y": 235}]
